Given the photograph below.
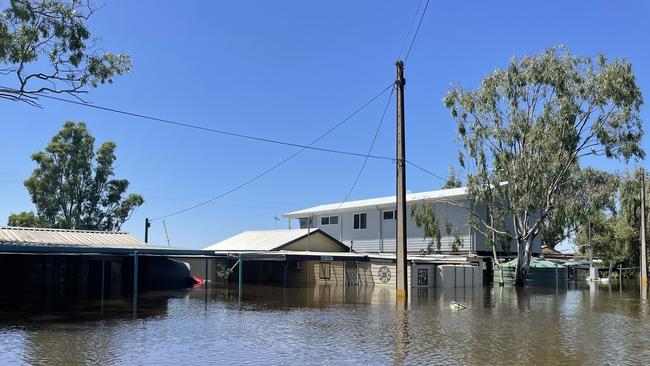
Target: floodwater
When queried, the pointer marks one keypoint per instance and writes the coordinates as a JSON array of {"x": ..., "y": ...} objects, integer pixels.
[{"x": 335, "y": 325}]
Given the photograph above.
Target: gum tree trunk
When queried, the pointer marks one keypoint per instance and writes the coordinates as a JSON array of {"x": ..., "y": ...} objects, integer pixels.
[{"x": 523, "y": 260}]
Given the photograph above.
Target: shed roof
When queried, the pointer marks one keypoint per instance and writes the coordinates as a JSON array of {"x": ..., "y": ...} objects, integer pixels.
[
  {"x": 534, "y": 263},
  {"x": 379, "y": 201},
  {"x": 42, "y": 237},
  {"x": 265, "y": 240}
]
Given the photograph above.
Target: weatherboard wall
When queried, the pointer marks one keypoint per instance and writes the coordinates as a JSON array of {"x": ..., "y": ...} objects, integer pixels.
[{"x": 379, "y": 234}]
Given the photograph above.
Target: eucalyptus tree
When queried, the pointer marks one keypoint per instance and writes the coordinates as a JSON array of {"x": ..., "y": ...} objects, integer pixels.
[
  {"x": 524, "y": 132},
  {"x": 46, "y": 47},
  {"x": 73, "y": 187},
  {"x": 583, "y": 199},
  {"x": 615, "y": 232}
]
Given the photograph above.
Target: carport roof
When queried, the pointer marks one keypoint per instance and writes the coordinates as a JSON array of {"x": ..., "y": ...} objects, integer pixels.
[{"x": 44, "y": 237}]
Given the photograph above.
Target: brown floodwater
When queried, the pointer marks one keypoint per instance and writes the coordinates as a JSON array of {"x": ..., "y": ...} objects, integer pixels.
[{"x": 584, "y": 325}]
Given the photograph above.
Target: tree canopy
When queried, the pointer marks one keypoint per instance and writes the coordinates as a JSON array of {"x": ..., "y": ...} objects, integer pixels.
[
  {"x": 46, "y": 46},
  {"x": 615, "y": 231},
  {"x": 453, "y": 181},
  {"x": 73, "y": 187},
  {"x": 525, "y": 130},
  {"x": 582, "y": 199}
]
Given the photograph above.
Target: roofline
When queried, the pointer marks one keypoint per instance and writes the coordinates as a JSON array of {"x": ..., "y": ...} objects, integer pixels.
[
  {"x": 49, "y": 249},
  {"x": 314, "y": 209},
  {"x": 49, "y": 229},
  {"x": 281, "y": 247},
  {"x": 315, "y": 230}
]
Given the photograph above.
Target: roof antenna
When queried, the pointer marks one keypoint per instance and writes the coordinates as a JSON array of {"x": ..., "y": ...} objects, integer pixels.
[{"x": 166, "y": 235}]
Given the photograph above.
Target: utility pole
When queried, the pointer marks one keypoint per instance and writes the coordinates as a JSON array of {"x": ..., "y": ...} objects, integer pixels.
[
  {"x": 644, "y": 263},
  {"x": 147, "y": 224},
  {"x": 592, "y": 276},
  {"x": 400, "y": 222}
]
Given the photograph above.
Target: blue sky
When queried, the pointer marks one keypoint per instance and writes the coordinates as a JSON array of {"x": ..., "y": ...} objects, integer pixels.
[{"x": 290, "y": 70}]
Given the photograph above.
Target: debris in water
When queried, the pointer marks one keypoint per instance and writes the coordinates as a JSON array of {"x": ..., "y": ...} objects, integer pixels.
[{"x": 457, "y": 306}]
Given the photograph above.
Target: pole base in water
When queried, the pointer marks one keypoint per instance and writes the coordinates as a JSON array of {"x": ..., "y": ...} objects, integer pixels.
[{"x": 401, "y": 294}]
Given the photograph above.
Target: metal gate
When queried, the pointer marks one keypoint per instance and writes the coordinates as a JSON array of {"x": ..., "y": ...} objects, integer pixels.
[{"x": 352, "y": 273}]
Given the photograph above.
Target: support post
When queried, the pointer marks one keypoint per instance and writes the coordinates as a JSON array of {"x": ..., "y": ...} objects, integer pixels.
[
  {"x": 241, "y": 276},
  {"x": 101, "y": 304},
  {"x": 609, "y": 272},
  {"x": 620, "y": 273},
  {"x": 592, "y": 276},
  {"x": 207, "y": 273},
  {"x": 147, "y": 224},
  {"x": 285, "y": 277},
  {"x": 644, "y": 263},
  {"x": 135, "y": 282},
  {"x": 400, "y": 222}
]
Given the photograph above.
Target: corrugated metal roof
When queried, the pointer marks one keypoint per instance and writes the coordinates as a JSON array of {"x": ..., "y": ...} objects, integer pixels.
[
  {"x": 380, "y": 201},
  {"x": 68, "y": 238},
  {"x": 264, "y": 240}
]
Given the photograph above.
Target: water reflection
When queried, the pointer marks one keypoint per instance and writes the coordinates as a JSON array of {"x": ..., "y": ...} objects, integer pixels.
[{"x": 585, "y": 324}]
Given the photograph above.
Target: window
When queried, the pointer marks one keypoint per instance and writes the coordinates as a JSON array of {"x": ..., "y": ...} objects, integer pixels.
[
  {"x": 390, "y": 215},
  {"x": 423, "y": 276},
  {"x": 324, "y": 270},
  {"x": 329, "y": 220},
  {"x": 306, "y": 222},
  {"x": 359, "y": 221},
  {"x": 299, "y": 265}
]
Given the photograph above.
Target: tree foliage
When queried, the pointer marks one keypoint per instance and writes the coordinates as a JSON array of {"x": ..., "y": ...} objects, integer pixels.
[
  {"x": 453, "y": 181},
  {"x": 25, "y": 219},
  {"x": 73, "y": 187},
  {"x": 587, "y": 195},
  {"x": 47, "y": 47},
  {"x": 615, "y": 231},
  {"x": 524, "y": 131},
  {"x": 425, "y": 217}
]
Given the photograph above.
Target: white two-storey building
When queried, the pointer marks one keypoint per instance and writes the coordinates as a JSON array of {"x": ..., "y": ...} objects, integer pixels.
[{"x": 369, "y": 225}]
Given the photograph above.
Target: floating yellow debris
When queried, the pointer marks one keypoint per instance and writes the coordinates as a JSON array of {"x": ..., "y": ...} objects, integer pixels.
[{"x": 457, "y": 306}]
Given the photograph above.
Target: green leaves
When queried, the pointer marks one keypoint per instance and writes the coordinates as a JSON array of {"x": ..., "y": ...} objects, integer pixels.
[
  {"x": 531, "y": 124},
  {"x": 424, "y": 216},
  {"x": 47, "y": 45},
  {"x": 73, "y": 186}
]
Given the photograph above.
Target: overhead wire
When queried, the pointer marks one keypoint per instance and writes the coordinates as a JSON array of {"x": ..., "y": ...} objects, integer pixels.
[
  {"x": 208, "y": 129},
  {"x": 365, "y": 161},
  {"x": 274, "y": 141},
  {"x": 408, "y": 34},
  {"x": 417, "y": 30},
  {"x": 277, "y": 165},
  {"x": 217, "y": 131},
  {"x": 372, "y": 144}
]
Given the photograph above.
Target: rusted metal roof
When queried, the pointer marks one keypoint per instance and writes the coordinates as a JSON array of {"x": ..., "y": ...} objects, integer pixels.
[{"x": 68, "y": 238}]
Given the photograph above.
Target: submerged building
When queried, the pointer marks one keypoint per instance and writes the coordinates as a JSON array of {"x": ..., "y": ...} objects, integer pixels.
[{"x": 369, "y": 225}]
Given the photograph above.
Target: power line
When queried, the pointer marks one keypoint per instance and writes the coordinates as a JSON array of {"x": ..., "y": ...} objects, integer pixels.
[
  {"x": 372, "y": 144},
  {"x": 425, "y": 170},
  {"x": 416, "y": 31},
  {"x": 212, "y": 130},
  {"x": 279, "y": 164},
  {"x": 415, "y": 16},
  {"x": 234, "y": 134}
]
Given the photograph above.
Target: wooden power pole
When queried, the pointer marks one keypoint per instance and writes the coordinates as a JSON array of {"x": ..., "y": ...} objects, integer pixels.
[
  {"x": 644, "y": 262},
  {"x": 402, "y": 280},
  {"x": 147, "y": 224}
]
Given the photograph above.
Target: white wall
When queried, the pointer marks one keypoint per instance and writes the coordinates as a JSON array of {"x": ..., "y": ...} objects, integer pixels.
[{"x": 379, "y": 234}]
